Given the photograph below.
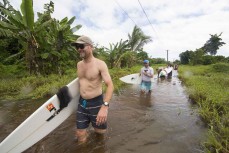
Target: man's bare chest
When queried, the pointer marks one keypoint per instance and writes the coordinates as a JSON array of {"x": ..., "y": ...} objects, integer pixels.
[{"x": 89, "y": 72}]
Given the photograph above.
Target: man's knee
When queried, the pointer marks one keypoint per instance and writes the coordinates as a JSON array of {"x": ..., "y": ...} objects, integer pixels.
[{"x": 81, "y": 135}]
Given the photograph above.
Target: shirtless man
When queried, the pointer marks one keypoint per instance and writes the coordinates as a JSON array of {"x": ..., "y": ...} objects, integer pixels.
[{"x": 93, "y": 106}]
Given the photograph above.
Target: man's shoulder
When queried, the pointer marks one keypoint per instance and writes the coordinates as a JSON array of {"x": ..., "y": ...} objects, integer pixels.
[
  {"x": 80, "y": 62},
  {"x": 151, "y": 69},
  {"x": 99, "y": 60}
]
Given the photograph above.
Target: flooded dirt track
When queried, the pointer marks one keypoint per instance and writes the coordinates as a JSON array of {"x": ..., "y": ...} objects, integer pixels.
[{"x": 161, "y": 122}]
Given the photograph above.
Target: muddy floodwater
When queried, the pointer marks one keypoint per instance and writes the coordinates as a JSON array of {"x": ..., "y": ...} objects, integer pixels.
[{"x": 161, "y": 122}]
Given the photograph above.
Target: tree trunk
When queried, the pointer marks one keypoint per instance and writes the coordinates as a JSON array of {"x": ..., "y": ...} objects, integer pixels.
[{"x": 31, "y": 60}]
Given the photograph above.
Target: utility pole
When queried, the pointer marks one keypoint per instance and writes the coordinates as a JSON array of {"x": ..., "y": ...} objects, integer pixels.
[{"x": 167, "y": 55}]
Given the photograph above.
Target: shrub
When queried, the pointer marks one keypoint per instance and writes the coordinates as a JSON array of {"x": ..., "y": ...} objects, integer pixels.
[{"x": 221, "y": 67}]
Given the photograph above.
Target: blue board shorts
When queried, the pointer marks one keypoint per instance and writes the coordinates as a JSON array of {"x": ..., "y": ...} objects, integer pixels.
[
  {"x": 146, "y": 85},
  {"x": 87, "y": 112}
]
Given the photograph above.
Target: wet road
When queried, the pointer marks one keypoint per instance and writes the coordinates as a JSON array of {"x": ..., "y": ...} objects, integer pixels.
[{"x": 161, "y": 122}]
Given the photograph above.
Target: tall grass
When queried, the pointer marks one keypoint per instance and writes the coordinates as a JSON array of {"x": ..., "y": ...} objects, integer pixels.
[
  {"x": 19, "y": 87},
  {"x": 208, "y": 86},
  {"x": 33, "y": 86}
]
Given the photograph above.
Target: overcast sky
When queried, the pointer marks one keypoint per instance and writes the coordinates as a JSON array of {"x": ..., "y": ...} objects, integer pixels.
[{"x": 174, "y": 25}]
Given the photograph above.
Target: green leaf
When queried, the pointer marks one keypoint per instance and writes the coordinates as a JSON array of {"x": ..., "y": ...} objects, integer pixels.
[
  {"x": 45, "y": 55},
  {"x": 14, "y": 18},
  {"x": 71, "y": 20},
  {"x": 5, "y": 25},
  {"x": 43, "y": 25},
  {"x": 56, "y": 53},
  {"x": 6, "y": 33},
  {"x": 28, "y": 14},
  {"x": 64, "y": 20},
  {"x": 76, "y": 28}
]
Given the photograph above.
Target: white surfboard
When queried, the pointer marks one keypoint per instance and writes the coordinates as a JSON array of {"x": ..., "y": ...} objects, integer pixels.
[
  {"x": 133, "y": 79},
  {"x": 168, "y": 70},
  {"x": 43, "y": 121}
]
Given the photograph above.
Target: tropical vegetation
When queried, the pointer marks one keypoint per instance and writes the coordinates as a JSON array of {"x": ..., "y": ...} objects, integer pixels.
[
  {"x": 208, "y": 87},
  {"x": 35, "y": 43}
]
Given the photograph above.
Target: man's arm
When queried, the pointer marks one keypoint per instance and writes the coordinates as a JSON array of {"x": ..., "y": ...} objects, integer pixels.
[
  {"x": 150, "y": 75},
  {"x": 102, "y": 115},
  {"x": 152, "y": 72},
  {"x": 107, "y": 80}
]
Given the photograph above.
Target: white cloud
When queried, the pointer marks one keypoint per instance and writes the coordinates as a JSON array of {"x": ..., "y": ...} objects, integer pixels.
[{"x": 177, "y": 26}]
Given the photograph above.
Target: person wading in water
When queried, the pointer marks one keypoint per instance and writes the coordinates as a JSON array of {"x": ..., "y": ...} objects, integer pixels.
[
  {"x": 146, "y": 73},
  {"x": 93, "y": 106}
]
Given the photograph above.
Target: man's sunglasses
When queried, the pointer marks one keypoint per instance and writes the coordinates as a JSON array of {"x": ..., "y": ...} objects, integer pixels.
[{"x": 81, "y": 46}]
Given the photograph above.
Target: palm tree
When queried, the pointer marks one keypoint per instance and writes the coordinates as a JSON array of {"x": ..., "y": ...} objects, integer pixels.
[
  {"x": 125, "y": 53},
  {"x": 138, "y": 39}
]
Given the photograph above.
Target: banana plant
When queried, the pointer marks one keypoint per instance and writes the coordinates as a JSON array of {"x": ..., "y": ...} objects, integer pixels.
[
  {"x": 46, "y": 42},
  {"x": 116, "y": 51},
  {"x": 20, "y": 25},
  {"x": 56, "y": 45}
]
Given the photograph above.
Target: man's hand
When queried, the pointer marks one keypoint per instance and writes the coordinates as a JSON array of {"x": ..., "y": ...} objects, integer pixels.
[
  {"x": 102, "y": 115},
  {"x": 146, "y": 74}
]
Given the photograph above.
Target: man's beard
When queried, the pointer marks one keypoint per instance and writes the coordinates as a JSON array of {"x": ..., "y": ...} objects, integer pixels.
[{"x": 82, "y": 55}]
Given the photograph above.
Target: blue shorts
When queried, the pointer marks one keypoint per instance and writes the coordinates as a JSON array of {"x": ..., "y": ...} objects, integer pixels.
[
  {"x": 87, "y": 112},
  {"x": 146, "y": 85}
]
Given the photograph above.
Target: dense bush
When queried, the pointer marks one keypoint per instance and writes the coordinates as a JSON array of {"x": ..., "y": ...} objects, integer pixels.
[
  {"x": 208, "y": 59},
  {"x": 221, "y": 67},
  {"x": 11, "y": 71}
]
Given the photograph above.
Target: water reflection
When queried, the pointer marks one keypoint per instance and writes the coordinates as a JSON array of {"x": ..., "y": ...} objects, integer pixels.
[{"x": 145, "y": 99}]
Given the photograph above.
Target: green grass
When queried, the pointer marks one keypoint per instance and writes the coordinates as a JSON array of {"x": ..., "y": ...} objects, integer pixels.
[
  {"x": 208, "y": 86},
  {"x": 13, "y": 87}
]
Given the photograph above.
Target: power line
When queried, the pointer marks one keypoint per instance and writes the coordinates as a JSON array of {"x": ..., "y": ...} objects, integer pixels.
[
  {"x": 135, "y": 22},
  {"x": 125, "y": 12},
  {"x": 147, "y": 17},
  {"x": 150, "y": 23},
  {"x": 167, "y": 55}
]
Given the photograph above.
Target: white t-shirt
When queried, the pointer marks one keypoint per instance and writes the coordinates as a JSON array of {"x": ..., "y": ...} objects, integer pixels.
[
  {"x": 148, "y": 70},
  {"x": 162, "y": 73}
]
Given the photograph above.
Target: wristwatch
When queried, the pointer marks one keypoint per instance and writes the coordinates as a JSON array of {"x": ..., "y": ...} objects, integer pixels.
[{"x": 106, "y": 104}]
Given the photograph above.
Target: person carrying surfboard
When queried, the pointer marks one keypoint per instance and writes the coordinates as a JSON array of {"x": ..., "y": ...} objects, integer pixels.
[
  {"x": 147, "y": 73},
  {"x": 93, "y": 106}
]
